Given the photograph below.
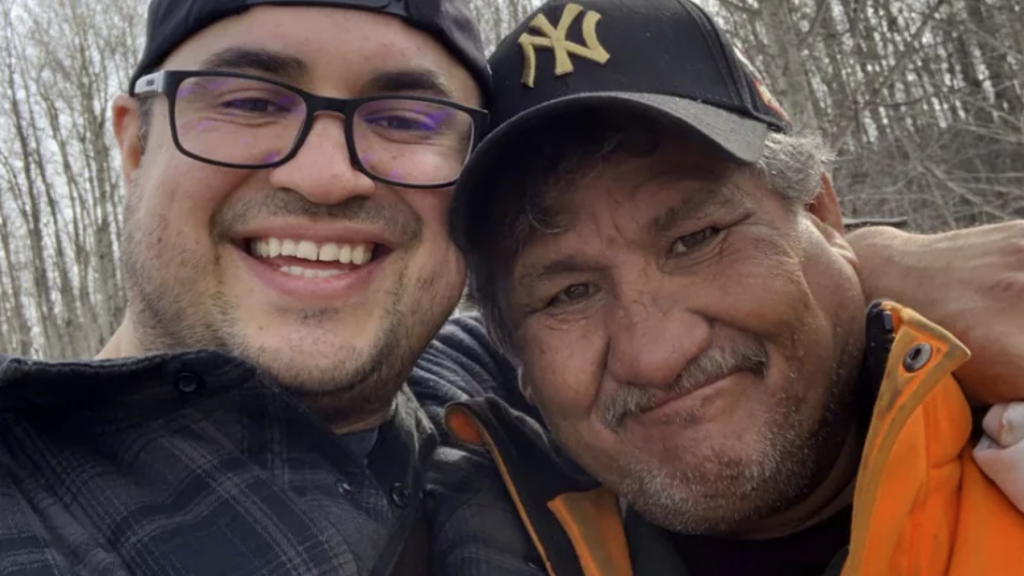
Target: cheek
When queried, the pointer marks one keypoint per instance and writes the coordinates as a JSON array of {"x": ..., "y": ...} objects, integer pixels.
[
  {"x": 563, "y": 376},
  {"x": 766, "y": 289},
  {"x": 436, "y": 252},
  {"x": 187, "y": 192},
  {"x": 432, "y": 206},
  {"x": 557, "y": 382},
  {"x": 833, "y": 282},
  {"x": 562, "y": 372},
  {"x": 171, "y": 214},
  {"x": 760, "y": 287}
]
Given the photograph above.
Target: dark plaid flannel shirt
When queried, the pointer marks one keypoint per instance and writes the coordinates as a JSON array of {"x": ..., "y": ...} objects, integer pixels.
[{"x": 194, "y": 464}]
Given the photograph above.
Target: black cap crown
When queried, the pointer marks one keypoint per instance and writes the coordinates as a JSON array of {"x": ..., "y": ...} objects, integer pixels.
[
  {"x": 663, "y": 47},
  {"x": 666, "y": 58}
]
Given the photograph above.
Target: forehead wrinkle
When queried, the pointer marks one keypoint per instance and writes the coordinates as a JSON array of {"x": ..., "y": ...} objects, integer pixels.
[{"x": 696, "y": 204}]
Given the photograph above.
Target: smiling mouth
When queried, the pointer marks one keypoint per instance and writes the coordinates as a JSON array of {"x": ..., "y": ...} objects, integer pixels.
[
  {"x": 689, "y": 391},
  {"x": 315, "y": 260}
]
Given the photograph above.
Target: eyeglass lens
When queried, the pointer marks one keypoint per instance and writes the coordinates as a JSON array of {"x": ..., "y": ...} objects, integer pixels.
[{"x": 250, "y": 123}]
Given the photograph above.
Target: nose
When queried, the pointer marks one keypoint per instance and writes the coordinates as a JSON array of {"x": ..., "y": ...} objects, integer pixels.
[
  {"x": 650, "y": 342},
  {"x": 322, "y": 169}
]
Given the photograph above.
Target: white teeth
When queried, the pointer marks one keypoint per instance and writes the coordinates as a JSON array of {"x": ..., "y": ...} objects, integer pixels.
[
  {"x": 359, "y": 256},
  {"x": 356, "y": 254},
  {"x": 307, "y": 251},
  {"x": 329, "y": 252},
  {"x": 310, "y": 273},
  {"x": 345, "y": 254}
]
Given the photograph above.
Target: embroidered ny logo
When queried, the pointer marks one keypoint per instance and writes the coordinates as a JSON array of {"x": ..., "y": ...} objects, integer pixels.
[{"x": 555, "y": 39}]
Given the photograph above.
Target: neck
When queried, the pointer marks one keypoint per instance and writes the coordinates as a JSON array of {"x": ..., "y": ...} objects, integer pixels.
[
  {"x": 123, "y": 344},
  {"x": 361, "y": 424},
  {"x": 831, "y": 496},
  {"x": 336, "y": 411}
]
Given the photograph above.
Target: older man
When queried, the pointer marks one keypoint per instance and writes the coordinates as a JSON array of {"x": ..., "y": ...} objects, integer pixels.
[{"x": 665, "y": 261}]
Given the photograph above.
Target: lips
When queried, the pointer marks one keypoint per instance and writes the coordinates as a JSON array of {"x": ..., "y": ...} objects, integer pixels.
[
  {"x": 357, "y": 254},
  {"x": 313, "y": 265},
  {"x": 689, "y": 389}
]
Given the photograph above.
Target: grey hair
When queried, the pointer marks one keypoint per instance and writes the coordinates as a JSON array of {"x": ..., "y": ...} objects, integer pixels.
[{"x": 792, "y": 166}]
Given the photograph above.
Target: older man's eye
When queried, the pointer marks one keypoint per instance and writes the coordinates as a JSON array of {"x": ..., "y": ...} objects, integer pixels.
[
  {"x": 694, "y": 241},
  {"x": 572, "y": 294}
]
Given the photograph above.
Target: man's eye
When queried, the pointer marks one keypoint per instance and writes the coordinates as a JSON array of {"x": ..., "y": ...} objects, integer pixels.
[
  {"x": 254, "y": 106},
  {"x": 403, "y": 123},
  {"x": 572, "y": 295},
  {"x": 692, "y": 242}
]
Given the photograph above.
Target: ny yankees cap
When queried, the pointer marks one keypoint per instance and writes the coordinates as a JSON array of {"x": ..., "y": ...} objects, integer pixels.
[
  {"x": 666, "y": 58},
  {"x": 171, "y": 22}
]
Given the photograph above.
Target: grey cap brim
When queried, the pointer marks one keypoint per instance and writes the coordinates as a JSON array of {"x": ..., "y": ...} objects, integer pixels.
[{"x": 741, "y": 137}]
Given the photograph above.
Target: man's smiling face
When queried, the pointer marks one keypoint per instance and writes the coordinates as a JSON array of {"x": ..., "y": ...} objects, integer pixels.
[
  {"x": 690, "y": 336},
  {"x": 328, "y": 280}
]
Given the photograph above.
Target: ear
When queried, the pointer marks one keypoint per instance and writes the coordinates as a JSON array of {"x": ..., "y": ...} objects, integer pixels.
[
  {"x": 125, "y": 112},
  {"x": 525, "y": 387},
  {"x": 824, "y": 207}
]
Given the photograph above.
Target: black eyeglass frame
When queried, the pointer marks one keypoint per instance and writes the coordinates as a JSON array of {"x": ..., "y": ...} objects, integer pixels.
[{"x": 167, "y": 82}]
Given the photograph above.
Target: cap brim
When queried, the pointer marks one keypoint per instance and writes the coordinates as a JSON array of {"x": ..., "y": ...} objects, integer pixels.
[{"x": 740, "y": 137}]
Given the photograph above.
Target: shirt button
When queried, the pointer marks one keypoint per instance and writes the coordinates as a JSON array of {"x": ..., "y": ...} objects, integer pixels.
[
  {"x": 187, "y": 383},
  {"x": 400, "y": 495},
  {"x": 344, "y": 488}
]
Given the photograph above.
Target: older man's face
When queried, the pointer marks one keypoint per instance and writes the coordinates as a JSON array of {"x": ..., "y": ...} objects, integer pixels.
[
  {"x": 371, "y": 273},
  {"x": 690, "y": 337}
]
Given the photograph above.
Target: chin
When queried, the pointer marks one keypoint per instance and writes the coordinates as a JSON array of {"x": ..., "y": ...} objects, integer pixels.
[
  {"x": 301, "y": 374},
  {"x": 293, "y": 353}
]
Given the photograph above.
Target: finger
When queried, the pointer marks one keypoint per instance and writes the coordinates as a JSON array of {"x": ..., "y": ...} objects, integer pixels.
[
  {"x": 1004, "y": 424},
  {"x": 1005, "y": 467}
]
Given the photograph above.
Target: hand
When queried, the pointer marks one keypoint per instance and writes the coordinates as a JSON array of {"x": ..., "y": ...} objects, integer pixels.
[
  {"x": 970, "y": 282},
  {"x": 1000, "y": 454}
]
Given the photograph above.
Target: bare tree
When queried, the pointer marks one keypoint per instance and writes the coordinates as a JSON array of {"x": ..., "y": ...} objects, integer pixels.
[
  {"x": 923, "y": 100},
  {"x": 61, "y": 63}
]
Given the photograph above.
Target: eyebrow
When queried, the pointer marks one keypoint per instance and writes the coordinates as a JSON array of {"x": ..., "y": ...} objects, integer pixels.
[
  {"x": 564, "y": 265},
  {"x": 257, "y": 60},
  {"x": 691, "y": 207},
  {"x": 422, "y": 81}
]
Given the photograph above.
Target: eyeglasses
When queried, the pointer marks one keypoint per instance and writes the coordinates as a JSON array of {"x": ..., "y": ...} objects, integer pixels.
[{"x": 242, "y": 121}]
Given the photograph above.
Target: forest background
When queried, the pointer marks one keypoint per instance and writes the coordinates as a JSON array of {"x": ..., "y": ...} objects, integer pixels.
[{"x": 922, "y": 101}]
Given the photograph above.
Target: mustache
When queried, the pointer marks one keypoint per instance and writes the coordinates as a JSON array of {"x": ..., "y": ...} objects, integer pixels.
[
  {"x": 712, "y": 365},
  {"x": 401, "y": 222}
]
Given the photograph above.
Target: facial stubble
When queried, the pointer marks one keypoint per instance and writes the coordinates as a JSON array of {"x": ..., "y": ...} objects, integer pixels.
[
  {"x": 724, "y": 492},
  {"x": 169, "y": 314}
]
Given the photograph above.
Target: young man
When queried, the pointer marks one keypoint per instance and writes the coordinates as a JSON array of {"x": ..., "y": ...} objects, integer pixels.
[
  {"x": 665, "y": 261},
  {"x": 288, "y": 168}
]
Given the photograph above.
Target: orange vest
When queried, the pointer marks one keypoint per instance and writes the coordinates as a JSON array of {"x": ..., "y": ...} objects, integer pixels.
[{"x": 922, "y": 507}]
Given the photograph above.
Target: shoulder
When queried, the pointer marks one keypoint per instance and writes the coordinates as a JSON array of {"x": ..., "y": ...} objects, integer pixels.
[
  {"x": 475, "y": 527},
  {"x": 463, "y": 347},
  {"x": 462, "y": 362}
]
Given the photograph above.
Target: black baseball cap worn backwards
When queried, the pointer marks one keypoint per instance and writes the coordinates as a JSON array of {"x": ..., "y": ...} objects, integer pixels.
[
  {"x": 171, "y": 22},
  {"x": 666, "y": 58}
]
